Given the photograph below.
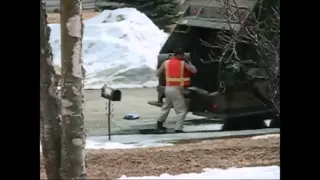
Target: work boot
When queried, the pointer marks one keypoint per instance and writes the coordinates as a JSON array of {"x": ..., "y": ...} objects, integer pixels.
[
  {"x": 160, "y": 126},
  {"x": 178, "y": 131}
]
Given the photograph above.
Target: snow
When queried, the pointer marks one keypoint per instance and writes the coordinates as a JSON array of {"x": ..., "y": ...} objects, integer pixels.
[
  {"x": 267, "y": 136},
  {"x": 268, "y": 121},
  {"x": 107, "y": 145},
  {"x": 94, "y": 144},
  {"x": 120, "y": 49},
  {"x": 116, "y": 145},
  {"x": 211, "y": 127},
  {"x": 155, "y": 140},
  {"x": 202, "y": 127},
  {"x": 267, "y": 172}
]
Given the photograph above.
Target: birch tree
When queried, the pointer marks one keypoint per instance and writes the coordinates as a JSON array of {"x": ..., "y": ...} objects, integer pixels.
[
  {"x": 50, "y": 129},
  {"x": 73, "y": 132}
]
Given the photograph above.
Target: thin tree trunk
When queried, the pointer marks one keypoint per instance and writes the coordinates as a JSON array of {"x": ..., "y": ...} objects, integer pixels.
[
  {"x": 49, "y": 111},
  {"x": 73, "y": 132}
]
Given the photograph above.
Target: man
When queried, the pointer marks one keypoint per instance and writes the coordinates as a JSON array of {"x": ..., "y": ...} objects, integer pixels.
[{"x": 177, "y": 72}]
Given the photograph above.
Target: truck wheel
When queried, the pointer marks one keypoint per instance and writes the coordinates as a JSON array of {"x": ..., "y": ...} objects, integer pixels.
[
  {"x": 275, "y": 123},
  {"x": 243, "y": 123}
]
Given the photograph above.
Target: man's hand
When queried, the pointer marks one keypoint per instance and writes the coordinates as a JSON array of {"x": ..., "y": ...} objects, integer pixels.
[
  {"x": 190, "y": 67},
  {"x": 161, "y": 69}
]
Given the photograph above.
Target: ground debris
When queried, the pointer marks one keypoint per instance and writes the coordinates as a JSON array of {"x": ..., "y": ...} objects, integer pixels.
[{"x": 181, "y": 158}]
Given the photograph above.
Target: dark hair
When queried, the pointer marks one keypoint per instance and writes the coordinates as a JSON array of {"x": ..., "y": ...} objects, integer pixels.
[{"x": 178, "y": 51}]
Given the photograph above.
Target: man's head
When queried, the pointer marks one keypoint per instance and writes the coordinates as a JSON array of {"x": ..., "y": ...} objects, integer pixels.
[{"x": 179, "y": 53}]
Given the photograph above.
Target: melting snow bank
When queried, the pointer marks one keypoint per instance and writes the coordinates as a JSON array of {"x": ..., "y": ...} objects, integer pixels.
[
  {"x": 115, "y": 145},
  {"x": 267, "y": 136},
  {"x": 268, "y": 172},
  {"x": 90, "y": 144},
  {"x": 120, "y": 49}
]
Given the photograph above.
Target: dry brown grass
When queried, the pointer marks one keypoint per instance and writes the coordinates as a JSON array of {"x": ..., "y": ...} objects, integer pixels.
[
  {"x": 55, "y": 17},
  {"x": 182, "y": 158}
]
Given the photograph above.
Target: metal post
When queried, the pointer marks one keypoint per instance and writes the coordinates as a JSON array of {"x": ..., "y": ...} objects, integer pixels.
[
  {"x": 111, "y": 95},
  {"x": 109, "y": 119}
]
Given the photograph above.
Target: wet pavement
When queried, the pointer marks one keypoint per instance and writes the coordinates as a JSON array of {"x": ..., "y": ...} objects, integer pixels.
[
  {"x": 133, "y": 101},
  {"x": 168, "y": 138},
  {"x": 128, "y": 131}
]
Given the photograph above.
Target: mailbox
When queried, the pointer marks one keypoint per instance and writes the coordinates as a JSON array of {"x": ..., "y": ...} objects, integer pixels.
[{"x": 110, "y": 94}]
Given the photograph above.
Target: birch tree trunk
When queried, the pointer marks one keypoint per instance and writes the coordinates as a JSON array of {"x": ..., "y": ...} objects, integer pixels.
[
  {"x": 49, "y": 110},
  {"x": 73, "y": 132}
]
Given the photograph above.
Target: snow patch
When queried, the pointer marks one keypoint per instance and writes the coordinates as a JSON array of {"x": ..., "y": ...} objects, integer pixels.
[
  {"x": 120, "y": 49},
  {"x": 268, "y": 121},
  {"x": 107, "y": 145},
  {"x": 90, "y": 144},
  {"x": 116, "y": 145},
  {"x": 267, "y": 172},
  {"x": 202, "y": 127},
  {"x": 267, "y": 136}
]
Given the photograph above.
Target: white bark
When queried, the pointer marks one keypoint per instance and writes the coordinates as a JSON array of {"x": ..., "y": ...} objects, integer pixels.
[
  {"x": 73, "y": 134},
  {"x": 49, "y": 109}
]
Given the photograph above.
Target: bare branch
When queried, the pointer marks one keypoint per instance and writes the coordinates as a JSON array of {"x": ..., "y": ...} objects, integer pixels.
[{"x": 261, "y": 33}]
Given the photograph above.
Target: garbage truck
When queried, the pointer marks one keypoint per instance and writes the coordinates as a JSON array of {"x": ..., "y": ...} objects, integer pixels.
[{"x": 219, "y": 90}]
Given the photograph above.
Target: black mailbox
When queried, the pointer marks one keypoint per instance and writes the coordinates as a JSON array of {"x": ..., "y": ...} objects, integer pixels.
[{"x": 110, "y": 94}]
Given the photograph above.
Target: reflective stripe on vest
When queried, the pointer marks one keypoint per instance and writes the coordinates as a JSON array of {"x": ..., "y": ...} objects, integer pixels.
[{"x": 181, "y": 79}]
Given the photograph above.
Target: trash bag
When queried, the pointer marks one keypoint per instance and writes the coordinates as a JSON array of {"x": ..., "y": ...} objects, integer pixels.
[{"x": 131, "y": 116}]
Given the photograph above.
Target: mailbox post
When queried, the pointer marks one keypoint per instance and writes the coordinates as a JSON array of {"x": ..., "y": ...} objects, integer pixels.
[{"x": 111, "y": 95}]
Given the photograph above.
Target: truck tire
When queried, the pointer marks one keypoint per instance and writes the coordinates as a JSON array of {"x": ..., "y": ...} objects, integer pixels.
[{"x": 244, "y": 123}]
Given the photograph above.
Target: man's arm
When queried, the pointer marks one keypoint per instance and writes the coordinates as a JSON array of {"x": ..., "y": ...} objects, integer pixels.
[
  {"x": 161, "y": 69},
  {"x": 190, "y": 67}
]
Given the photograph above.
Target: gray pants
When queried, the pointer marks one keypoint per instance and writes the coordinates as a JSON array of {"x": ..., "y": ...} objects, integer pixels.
[{"x": 175, "y": 98}]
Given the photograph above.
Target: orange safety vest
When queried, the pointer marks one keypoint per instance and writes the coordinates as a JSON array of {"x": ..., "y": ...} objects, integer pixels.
[{"x": 176, "y": 73}]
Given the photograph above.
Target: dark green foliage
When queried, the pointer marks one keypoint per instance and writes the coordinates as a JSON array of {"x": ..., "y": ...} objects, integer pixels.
[{"x": 161, "y": 12}]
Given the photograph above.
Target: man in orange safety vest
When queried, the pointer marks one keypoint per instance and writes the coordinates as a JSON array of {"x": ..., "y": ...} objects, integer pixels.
[{"x": 177, "y": 73}]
